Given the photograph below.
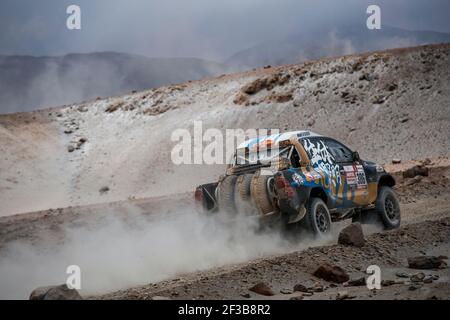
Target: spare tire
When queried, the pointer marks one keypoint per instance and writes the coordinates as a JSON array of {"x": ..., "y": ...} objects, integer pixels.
[
  {"x": 226, "y": 193},
  {"x": 260, "y": 193},
  {"x": 243, "y": 197}
]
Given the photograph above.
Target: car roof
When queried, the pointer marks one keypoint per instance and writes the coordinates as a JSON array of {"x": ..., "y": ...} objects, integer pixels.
[{"x": 276, "y": 138}]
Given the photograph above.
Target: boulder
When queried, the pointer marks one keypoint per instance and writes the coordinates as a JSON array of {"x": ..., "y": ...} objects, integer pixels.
[
  {"x": 262, "y": 289},
  {"x": 301, "y": 288},
  {"x": 331, "y": 273},
  {"x": 342, "y": 295},
  {"x": 61, "y": 292},
  {"x": 416, "y": 171},
  {"x": 426, "y": 262},
  {"x": 418, "y": 277},
  {"x": 356, "y": 282},
  {"x": 352, "y": 235}
]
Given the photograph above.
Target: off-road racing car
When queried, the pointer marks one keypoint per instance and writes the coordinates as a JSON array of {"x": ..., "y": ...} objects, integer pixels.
[{"x": 303, "y": 178}]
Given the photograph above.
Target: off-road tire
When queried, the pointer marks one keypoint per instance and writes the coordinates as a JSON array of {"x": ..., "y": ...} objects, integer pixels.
[
  {"x": 226, "y": 191},
  {"x": 243, "y": 198},
  {"x": 244, "y": 186},
  {"x": 260, "y": 194},
  {"x": 317, "y": 220},
  {"x": 387, "y": 208}
]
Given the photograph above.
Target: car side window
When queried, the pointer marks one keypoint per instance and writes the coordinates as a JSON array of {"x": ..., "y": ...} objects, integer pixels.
[{"x": 340, "y": 152}]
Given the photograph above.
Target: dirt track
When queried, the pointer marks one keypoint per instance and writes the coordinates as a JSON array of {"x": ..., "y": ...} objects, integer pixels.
[
  {"x": 425, "y": 230},
  {"x": 388, "y": 250}
]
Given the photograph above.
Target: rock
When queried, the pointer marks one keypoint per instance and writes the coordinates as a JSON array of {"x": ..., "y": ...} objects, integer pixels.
[
  {"x": 255, "y": 86},
  {"x": 103, "y": 190},
  {"x": 280, "y": 98},
  {"x": 61, "y": 292},
  {"x": 266, "y": 83},
  {"x": 404, "y": 120},
  {"x": 402, "y": 274},
  {"x": 356, "y": 282},
  {"x": 352, "y": 235},
  {"x": 416, "y": 171},
  {"x": 342, "y": 295},
  {"x": 297, "y": 298},
  {"x": 428, "y": 279},
  {"x": 316, "y": 288},
  {"x": 262, "y": 289},
  {"x": 160, "y": 298},
  {"x": 331, "y": 273},
  {"x": 246, "y": 295},
  {"x": 411, "y": 181},
  {"x": 344, "y": 94},
  {"x": 241, "y": 99},
  {"x": 387, "y": 283},
  {"x": 418, "y": 277},
  {"x": 114, "y": 107},
  {"x": 80, "y": 142},
  {"x": 391, "y": 87},
  {"x": 426, "y": 262},
  {"x": 414, "y": 287},
  {"x": 311, "y": 122},
  {"x": 71, "y": 148},
  {"x": 396, "y": 161},
  {"x": 378, "y": 100},
  {"x": 286, "y": 291},
  {"x": 68, "y": 131},
  {"x": 301, "y": 288}
]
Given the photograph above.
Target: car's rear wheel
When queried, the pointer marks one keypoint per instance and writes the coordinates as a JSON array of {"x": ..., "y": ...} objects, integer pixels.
[{"x": 317, "y": 219}]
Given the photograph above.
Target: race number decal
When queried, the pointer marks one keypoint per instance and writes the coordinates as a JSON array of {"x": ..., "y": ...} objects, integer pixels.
[
  {"x": 361, "y": 177},
  {"x": 355, "y": 176}
]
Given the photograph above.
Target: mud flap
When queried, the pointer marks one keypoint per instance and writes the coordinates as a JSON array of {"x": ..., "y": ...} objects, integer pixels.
[{"x": 299, "y": 216}]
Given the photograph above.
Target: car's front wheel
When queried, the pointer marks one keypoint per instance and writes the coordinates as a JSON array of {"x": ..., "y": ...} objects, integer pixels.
[
  {"x": 388, "y": 208},
  {"x": 317, "y": 219}
]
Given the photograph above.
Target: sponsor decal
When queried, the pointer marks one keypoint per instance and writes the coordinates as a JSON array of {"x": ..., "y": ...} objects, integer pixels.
[
  {"x": 298, "y": 180},
  {"x": 323, "y": 160},
  {"x": 355, "y": 176}
]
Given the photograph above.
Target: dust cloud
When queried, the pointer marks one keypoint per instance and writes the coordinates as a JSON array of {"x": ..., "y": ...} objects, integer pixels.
[{"x": 123, "y": 250}]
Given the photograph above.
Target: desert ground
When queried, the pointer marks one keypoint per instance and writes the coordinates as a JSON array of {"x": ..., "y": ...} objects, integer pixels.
[{"x": 93, "y": 184}]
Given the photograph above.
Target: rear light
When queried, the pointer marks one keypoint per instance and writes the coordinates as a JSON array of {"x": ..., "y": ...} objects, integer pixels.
[
  {"x": 198, "y": 195},
  {"x": 283, "y": 184}
]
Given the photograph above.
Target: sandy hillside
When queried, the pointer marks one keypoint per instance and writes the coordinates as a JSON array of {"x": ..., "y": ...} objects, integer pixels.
[{"x": 392, "y": 104}]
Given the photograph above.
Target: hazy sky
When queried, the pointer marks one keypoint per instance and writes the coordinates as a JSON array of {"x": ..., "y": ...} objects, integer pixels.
[{"x": 212, "y": 29}]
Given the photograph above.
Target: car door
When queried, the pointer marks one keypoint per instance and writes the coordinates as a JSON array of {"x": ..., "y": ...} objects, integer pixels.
[
  {"x": 325, "y": 167},
  {"x": 353, "y": 189}
]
